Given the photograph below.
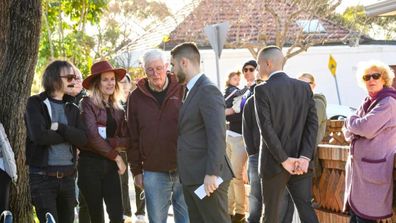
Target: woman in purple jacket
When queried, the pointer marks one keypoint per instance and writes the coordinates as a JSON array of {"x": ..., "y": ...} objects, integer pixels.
[{"x": 372, "y": 133}]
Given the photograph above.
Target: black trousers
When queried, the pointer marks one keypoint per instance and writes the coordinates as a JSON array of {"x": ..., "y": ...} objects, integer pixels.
[
  {"x": 5, "y": 182},
  {"x": 140, "y": 202},
  {"x": 126, "y": 203},
  {"x": 210, "y": 209},
  {"x": 83, "y": 212},
  {"x": 53, "y": 195},
  {"x": 287, "y": 208},
  {"x": 98, "y": 180},
  {"x": 300, "y": 189}
]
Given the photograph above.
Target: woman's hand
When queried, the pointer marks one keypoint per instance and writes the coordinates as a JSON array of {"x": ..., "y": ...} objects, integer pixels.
[
  {"x": 120, "y": 164},
  {"x": 120, "y": 149}
]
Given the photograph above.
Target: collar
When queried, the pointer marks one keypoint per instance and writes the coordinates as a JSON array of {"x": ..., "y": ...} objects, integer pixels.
[
  {"x": 275, "y": 72},
  {"x": 66, "y": 98},
  {"x": 193, "y": 80},
  {"x": 163, "y": 88}
]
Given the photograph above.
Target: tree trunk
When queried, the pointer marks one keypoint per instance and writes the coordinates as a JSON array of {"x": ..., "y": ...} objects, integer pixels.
[{"x": 20, "y": 23}]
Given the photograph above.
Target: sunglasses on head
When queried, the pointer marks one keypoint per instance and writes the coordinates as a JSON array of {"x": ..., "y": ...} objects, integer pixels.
[
  {"x": 70, "y": 77},
  {"x": 248, "y": 69},
  {"x": 375, "y": 76}
]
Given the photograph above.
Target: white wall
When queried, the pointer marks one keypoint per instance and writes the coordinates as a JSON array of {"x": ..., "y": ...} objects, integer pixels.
[{"x": 315, "y": 61}]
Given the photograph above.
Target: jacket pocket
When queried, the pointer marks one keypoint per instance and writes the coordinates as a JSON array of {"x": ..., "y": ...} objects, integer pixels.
[{"x": 374, "y": 170}]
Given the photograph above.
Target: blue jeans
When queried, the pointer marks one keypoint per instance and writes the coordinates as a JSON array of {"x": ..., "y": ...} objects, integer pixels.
[
  {"x": 255, "y": 197},
  {"x": 162, "y": 189}
]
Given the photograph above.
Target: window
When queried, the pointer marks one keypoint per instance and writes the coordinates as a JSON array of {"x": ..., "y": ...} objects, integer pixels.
[{"x": 311, "y": 26}]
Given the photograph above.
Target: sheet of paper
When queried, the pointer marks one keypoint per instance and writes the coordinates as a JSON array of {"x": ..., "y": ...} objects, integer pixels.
[
  {"x": 232, "y": 133},
  {"x": 102, "y": 131},
  {"x": 200, "y": 191}
]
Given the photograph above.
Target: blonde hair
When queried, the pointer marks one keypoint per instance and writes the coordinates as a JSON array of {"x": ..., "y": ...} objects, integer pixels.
[
  {"x": 308, "y": 76},
  {"x": 386, "y": 72},
  {"x": 231, "y": 75},
  {"x": 97, "y": 96}
]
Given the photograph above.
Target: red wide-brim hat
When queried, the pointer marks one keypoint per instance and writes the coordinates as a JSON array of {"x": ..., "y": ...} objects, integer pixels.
[{"x": 101, "y": 67}]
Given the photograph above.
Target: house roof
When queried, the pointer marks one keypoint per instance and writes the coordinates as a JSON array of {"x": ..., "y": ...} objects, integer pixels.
[{"x": 250, "y": 24}]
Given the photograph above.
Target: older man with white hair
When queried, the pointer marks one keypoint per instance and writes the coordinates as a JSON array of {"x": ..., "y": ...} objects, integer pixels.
[{"x": 152, "y": 115}]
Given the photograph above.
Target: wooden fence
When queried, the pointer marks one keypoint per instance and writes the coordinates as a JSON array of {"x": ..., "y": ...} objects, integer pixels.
[{"x": 328, "y": 192}]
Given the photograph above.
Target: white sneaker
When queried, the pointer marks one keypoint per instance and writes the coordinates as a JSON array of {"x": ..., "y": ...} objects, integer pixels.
[
  {"x": 127, "y": 219},
  {"x": 50, "y": 218},
  {"x": 140, "y": 219},
  {"x": 6, "y": 216}
]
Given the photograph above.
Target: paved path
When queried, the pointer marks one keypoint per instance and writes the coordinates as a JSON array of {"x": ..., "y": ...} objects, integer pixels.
[
  {"x": 170, "y": 214},
  {"x": 133, "y": 205}
]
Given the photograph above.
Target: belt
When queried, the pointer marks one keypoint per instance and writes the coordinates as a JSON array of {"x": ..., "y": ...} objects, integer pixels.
[{"x": 57, "y": 174}]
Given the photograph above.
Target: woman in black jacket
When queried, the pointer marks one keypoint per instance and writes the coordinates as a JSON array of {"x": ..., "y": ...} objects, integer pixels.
[{"x": 54, "y": 130}]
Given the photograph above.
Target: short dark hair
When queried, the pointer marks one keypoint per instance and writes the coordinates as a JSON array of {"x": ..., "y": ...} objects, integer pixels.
[
  {"x": 188, "y": 50},
  {"x": 51, "y": 78}
]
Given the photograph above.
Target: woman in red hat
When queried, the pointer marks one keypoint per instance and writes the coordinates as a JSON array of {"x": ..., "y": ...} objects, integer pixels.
[{"x": 100, "y": 163}]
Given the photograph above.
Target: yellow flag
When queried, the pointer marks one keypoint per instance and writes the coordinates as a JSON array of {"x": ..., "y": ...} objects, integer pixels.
[
  {"x": 332, "y": 65},
  {"x": 165, "y": 38}
]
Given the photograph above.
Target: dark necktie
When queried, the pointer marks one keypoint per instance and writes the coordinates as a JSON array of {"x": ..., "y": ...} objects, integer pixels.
[{"x": 185, "y": 94}]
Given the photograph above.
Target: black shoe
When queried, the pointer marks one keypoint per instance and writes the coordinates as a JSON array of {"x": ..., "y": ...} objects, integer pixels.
[{"x": 6, "y": 217}]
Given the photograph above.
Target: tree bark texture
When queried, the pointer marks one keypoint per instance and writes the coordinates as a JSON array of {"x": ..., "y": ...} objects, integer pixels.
[{"x": 20, "y": 22}]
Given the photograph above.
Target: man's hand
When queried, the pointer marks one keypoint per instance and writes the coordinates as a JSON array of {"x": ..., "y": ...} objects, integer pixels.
[
  {"x": 290, "y": 164},
  {"x": 138, "y": 179},
  {"x": 120, "y": 164},
  {"x": 303, "y": 165},
  {"x": 229, "y": 111},
  {"x": 210, "y": 184}
]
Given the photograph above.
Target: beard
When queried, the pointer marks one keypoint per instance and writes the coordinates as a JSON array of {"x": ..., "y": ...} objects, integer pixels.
[{"x": 181, "y": 77}]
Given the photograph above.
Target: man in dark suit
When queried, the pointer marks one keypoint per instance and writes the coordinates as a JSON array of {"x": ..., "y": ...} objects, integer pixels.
[
  {"x": 286, "y": 114},
  {"x": 201, "y": 157}
]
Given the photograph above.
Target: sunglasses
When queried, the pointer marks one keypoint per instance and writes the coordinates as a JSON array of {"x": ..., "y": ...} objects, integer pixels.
[
  {"x": 248, "y": 69},
  {"x": 70, "y": 77},
  {"x": 375, "y": 76}
]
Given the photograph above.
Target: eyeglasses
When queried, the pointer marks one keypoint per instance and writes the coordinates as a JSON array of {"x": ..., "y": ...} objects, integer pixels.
[
  {"x": 70, "y": 77},
  {"x": 248, "y": 69},
  {"x": 375, "y": 76},
  {"x": 157, "y": 69}
]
